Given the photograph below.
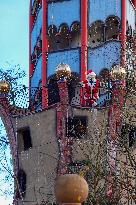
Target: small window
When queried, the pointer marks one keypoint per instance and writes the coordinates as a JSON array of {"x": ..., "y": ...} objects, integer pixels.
[
  {"x": 21, "y": 178},
  {"x": 24, "y": 139},
  {"x": 132, "y": 137},
  {"x": 53, "y": 91},
  {"x": 77, "y": 127},
  {"x": 128, "y": 133}
]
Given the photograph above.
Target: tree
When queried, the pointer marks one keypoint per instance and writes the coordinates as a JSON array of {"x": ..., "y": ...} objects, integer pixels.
[
  {"x": 18, "y": 94},
  {"x": 111, "y": 175},
  {"x": 14, "y": 75}
]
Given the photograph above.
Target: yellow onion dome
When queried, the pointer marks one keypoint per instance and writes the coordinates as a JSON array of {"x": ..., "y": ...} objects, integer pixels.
[
  {"x": 118, "y": 73},
  {"x": 71, "y": 189},
  {"x": 63, "y": 71},
  {"x": 4, "y": 87}
]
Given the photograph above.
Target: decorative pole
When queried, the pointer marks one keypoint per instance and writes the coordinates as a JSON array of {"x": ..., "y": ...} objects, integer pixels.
[
  {"x": 44, "y": 54},
  {"x": 84, "y": 44},
  {"x": 63, "y": 71},
  {"x": 71, "y": 189},
  {"x": 123, "y": 32}
]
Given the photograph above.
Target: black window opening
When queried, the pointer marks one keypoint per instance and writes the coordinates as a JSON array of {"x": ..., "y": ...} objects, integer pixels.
[
  {"x": 77, "y": 127},
  {"x": 132, "y": 137},
  {"x": 73, "y": 83},
  {"x": 128, "y": 133},
  {"x": 53, "y": 92},
  {"x": 21, "y": 184},
  {"x": 24, "y": 139}
]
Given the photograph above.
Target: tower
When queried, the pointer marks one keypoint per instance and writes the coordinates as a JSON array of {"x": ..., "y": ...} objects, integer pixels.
[
  {"x": 84, "y": 35},
  {"x": 78, "y": 36}
]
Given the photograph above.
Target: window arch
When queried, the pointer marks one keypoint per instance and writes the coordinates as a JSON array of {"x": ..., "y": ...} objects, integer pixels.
[
  {"x": 96, "y": 34},
  {"x": 63, "y": 36},
  {"x": 112, "y": 24},
  {"x": 52, "y": 31},
  {"x": 75, "y": 35}
]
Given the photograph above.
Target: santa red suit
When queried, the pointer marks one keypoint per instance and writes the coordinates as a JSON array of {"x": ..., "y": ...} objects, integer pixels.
[{"x": 91, "y": 88}]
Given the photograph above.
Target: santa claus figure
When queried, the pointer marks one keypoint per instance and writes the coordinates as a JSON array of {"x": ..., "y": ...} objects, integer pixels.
[{"x": 91, "y": 89}]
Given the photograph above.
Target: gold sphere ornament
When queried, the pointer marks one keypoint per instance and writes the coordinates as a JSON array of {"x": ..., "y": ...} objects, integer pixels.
[
  {"x": 71, "y": 189},
  {"x": 118, "y": 73},
  {"x": 4, "y": 87},
  {"x": 63, "y": 71}
]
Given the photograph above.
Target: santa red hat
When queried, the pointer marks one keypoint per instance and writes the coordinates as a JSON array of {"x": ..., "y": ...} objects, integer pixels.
[{"x": 90, "y": 72}]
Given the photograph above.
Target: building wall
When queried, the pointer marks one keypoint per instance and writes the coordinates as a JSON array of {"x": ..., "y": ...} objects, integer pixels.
[
  {"x": 104, "y": 9},
  {"x": 63, "y": 12},
  {"x": 39, "y": 162},
  {"x": 83, "y": 149},
  {"x": 36, "y": 30},
  {"x": 131, "y": 15},
  {"x": 104, "y": 56}
]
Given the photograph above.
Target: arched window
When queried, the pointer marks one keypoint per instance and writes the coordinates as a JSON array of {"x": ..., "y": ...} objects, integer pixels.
[
  {"x": 112, "y": 28},
  {"x": 75, "y": 35},
  {"x": 96, "y": 34},
  {"x": 63, "y": 41},
  {"x": 74, "y": 89},
  {"x": 53, "y": 90},
  {"x": 21, "y": 178},
  {"x": 129, "y": 31},
  {"x": 104, "y": 77},
  {"x": 52, "y": 31}
]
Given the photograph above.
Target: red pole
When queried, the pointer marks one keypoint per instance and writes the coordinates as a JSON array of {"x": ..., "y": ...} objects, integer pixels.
[
  {"x": 30, "y": 36},
  {"x": 84, "y": 38},
  {"x": 84, "y": 43},
  {"x": 30, "y": 29},
  {"x": 31, "y": 20},
  {"x": 44, "y": 54},
  {"x": 123, "y": 32}
]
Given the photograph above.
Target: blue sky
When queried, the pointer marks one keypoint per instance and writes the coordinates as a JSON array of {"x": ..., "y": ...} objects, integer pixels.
[
  {"x": 14, "y": 41},
  {"x": 14, "y": 28}
]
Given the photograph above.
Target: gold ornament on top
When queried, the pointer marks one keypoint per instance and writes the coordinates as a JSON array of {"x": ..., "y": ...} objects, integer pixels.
[
  {"x": 4, "y": 87},
  {"x": 118, "y": 73},
  {"x": 63, "y": 71}
]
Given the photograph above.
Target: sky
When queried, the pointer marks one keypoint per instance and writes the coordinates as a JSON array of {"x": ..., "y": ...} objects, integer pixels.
[
  {"x": 14, "y": 28},
  {"x": 14, "y": 41}
]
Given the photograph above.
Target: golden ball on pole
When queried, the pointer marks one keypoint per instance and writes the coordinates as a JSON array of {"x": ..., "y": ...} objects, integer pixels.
[
  {"x": 63, "y": 71},
  {"x": 118, "y": 73},
  {"x": 4, "y": 87},
  {"x": 71, "y": 189}
]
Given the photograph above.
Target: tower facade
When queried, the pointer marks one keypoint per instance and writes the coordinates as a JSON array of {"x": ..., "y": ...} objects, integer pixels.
[{"x": 83, "y": 35}]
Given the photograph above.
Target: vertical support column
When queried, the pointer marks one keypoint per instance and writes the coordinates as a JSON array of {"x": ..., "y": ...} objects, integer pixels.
[
  {"x": 44, "y": 53},
  {"x": 123, "y": 31},
  {"x": 31, "y": 20},
  {"x": 62, "y": 116},
  {"x": 84, "y": 37},
  {"x": 84, "y": 43}
]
